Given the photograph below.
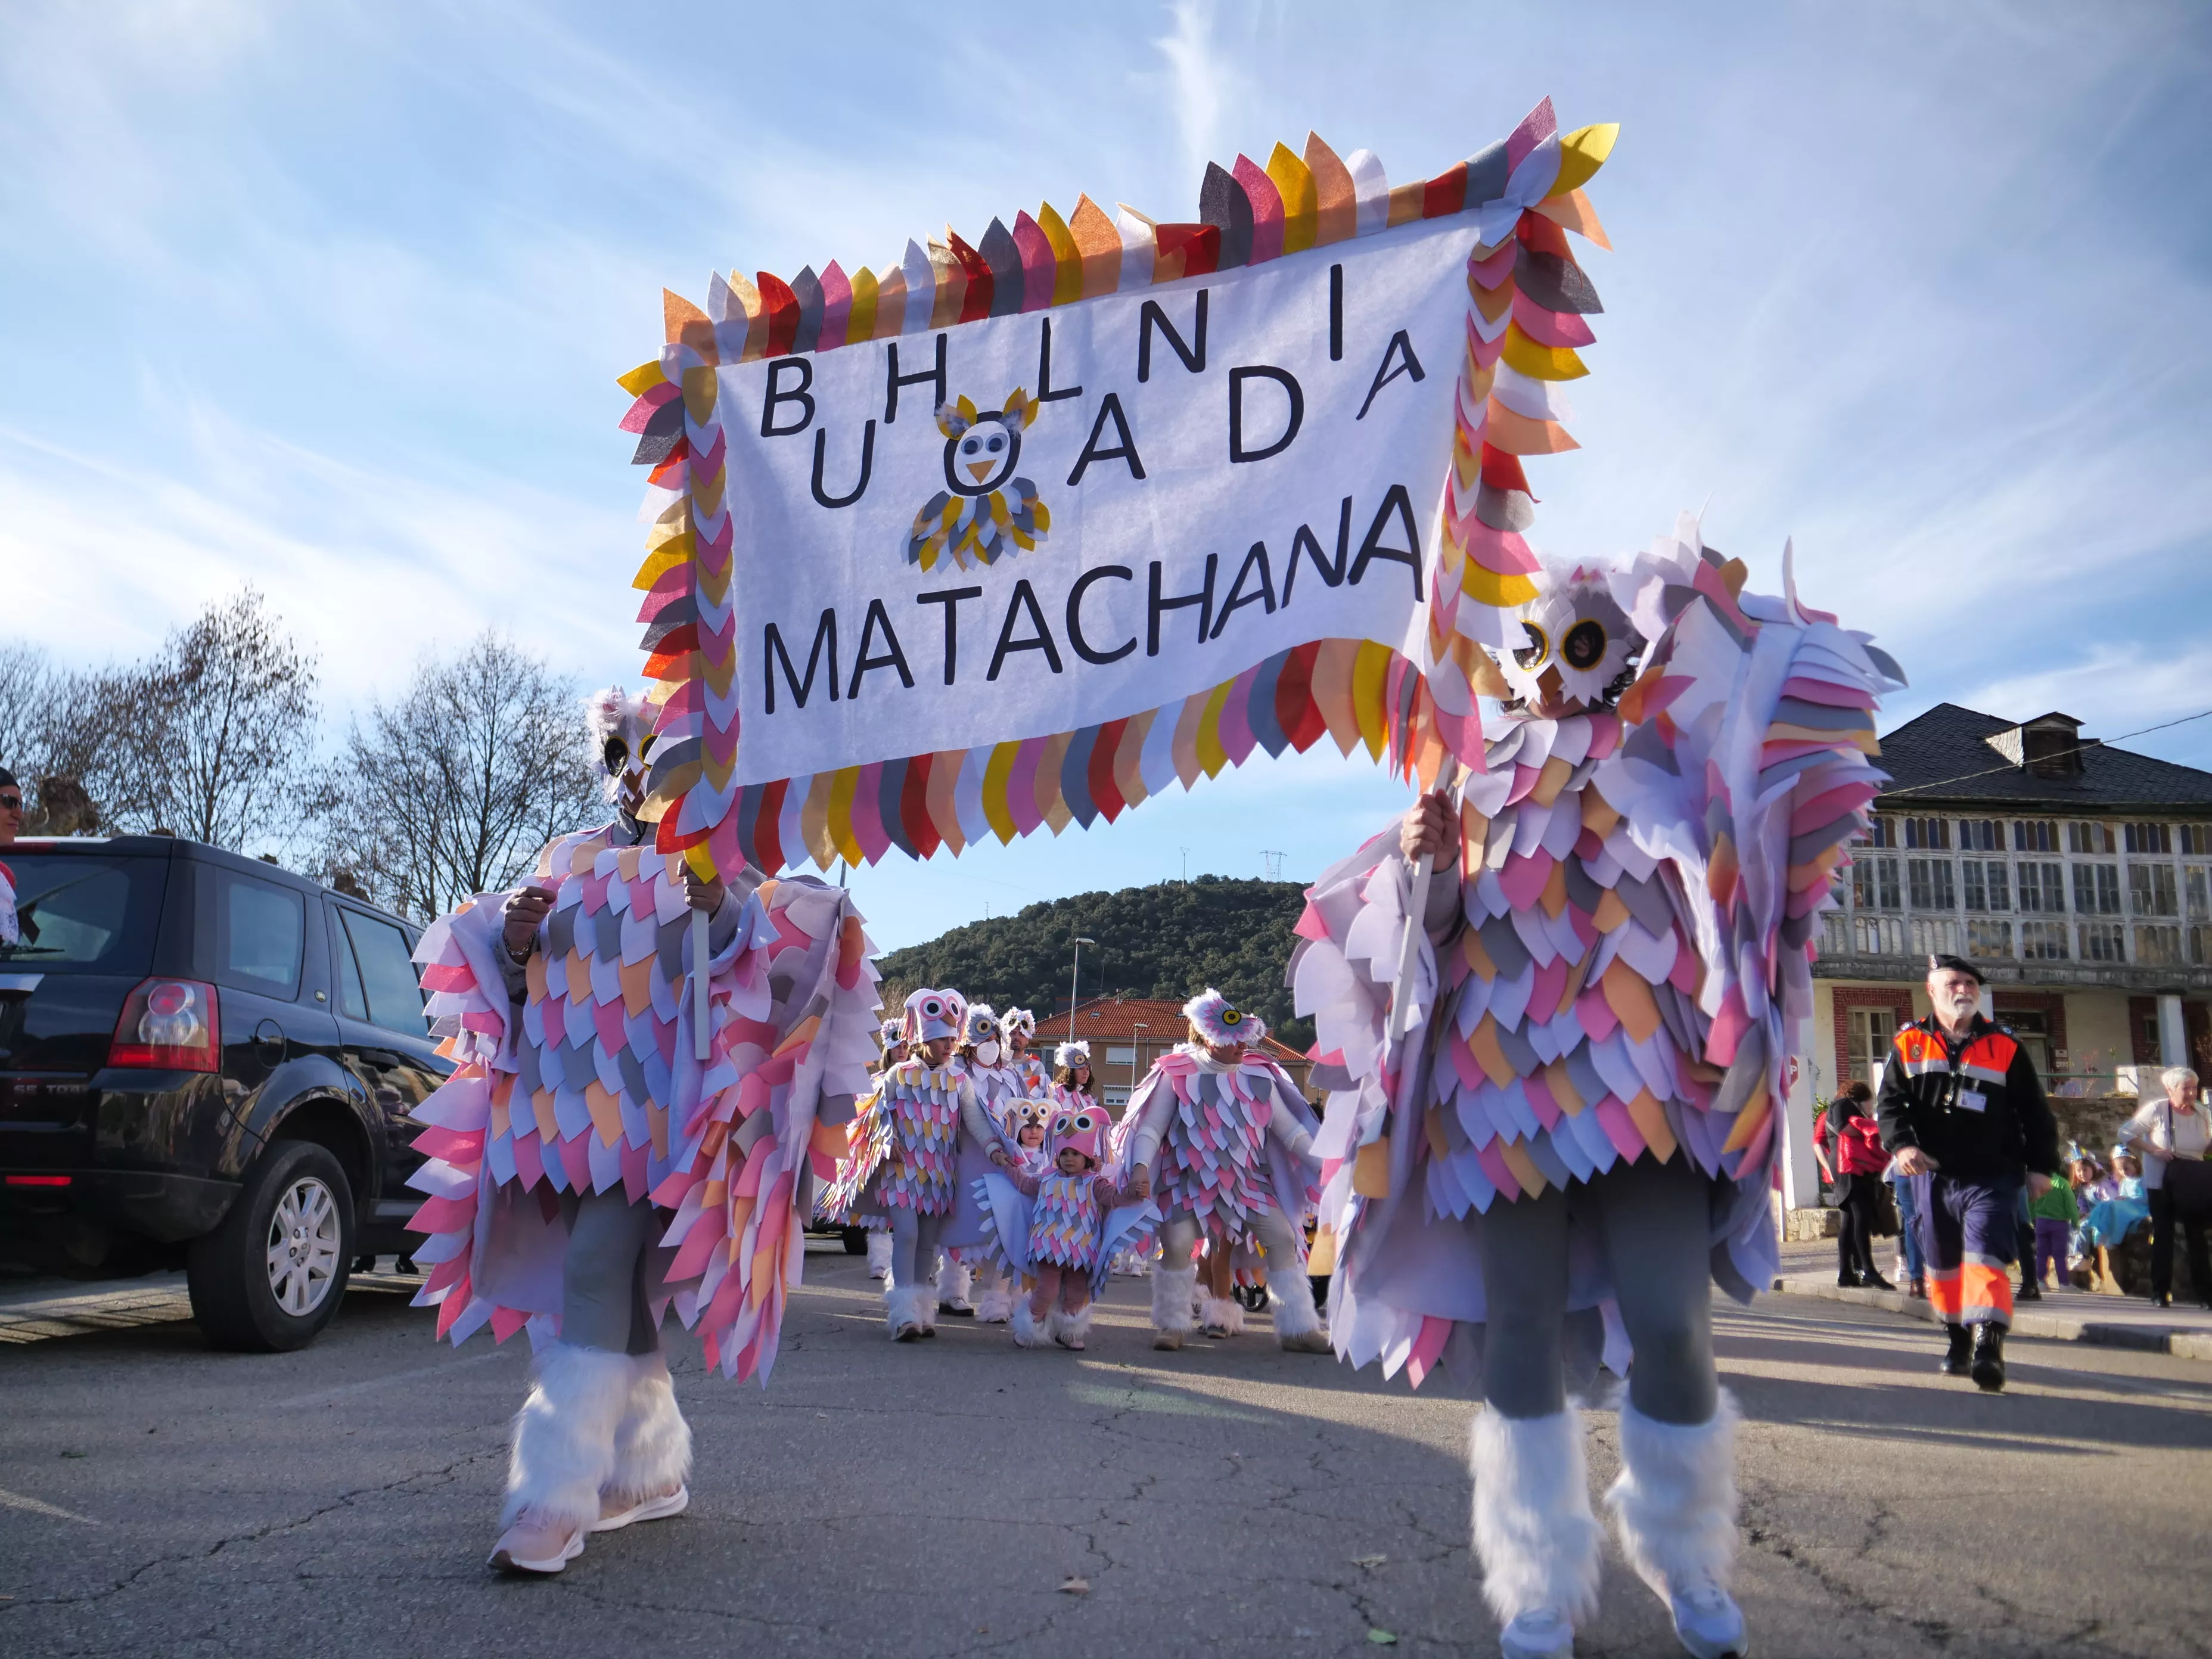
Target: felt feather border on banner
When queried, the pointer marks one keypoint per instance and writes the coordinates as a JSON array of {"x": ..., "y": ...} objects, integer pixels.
[{"x": 1527, "y": 303}]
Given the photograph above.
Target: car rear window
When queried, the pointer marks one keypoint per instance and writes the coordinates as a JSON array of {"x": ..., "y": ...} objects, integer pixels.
[
  {"x": 97, "y": 911},
  {"x": 260, "y": 930}
]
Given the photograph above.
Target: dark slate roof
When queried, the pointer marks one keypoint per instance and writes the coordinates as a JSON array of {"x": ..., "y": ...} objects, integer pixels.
[{"x": 1943, "y": 746}]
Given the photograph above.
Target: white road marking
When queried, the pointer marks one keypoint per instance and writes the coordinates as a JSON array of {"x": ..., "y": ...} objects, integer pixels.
[
  {"x": 443, "y": 1368},
  {"x": 15, "y": 1500}
]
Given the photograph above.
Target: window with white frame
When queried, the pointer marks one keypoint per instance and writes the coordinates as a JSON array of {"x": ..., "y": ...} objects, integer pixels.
[
  {"x": 1881, "y": 831},
  {"x": 1873, "y": 883},
  {"x": 2197, "y": 879},
  {"x": 2157, "y": 946},
  {"x": 1981, "y": 835},
  {"x": 2103, "y": 941},
  {"x": 2042, "y": 886},
  {"x": 1878, "y": 936},
  {"x": 2151, "y": 890},
  {"x": 1835, "y": 933},
  {"x": 2043, "y": 941},
  {"x": 1928, "y": 884},
  {"x": 1986, "y": 883},
  {"x": 2091, "y": 838},
  {"x": 1868, "y": 1034},
  {"x": 2097, "y": 890},
  {"x": 1934, "y": 936},
  {"x": 2196, "y": 839},
  {"x": 2200, "y": 945},
  {"x": 2150, "y": 837},
  {"x": 1931, "y": 833},
  {"x": 2034, "y": 836},
  {"x": 1989, "y": 938}
]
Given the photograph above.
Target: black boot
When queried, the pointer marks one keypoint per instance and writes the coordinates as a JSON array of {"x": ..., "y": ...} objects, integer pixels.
[
  {"x": 2029, "y": 1291},
  {"x": 1989, "y": 1357},
  {"x": 1873, "y": 1280},
  {"x": 1961, "y": 1352}
]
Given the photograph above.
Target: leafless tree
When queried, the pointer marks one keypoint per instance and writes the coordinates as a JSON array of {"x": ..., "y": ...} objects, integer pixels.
[
  {"x": 75, "y": 738},
  {"x": 214, "y": 733},
  {"x": 453, "y": 788}
]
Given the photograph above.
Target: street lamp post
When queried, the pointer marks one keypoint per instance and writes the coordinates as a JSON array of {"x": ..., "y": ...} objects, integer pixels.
[
  {"x": 1074, "y": 982},
  {"x": 1135, "y": 1043}
]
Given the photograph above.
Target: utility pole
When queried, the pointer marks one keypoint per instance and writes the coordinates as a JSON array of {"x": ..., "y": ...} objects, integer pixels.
[
  {"x": 1275, "y": 862},
  {"x": 1185, "y": 866},
  {"x": 1075, "y": 981}
]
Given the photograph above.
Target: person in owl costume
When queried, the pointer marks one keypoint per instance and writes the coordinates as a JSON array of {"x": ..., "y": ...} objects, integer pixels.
[
  {"x": 1222, "y": 1142},
  {"x": 879, "y": 1239},
  {"x": 1575, "y": 1136},
  {"x": 1027, "y": 1075},
  {"x": 1073, "y": 1082},
  {"x": 915, "y": 1149},
  {"x": 981, "y": 1057},
  {"x": 580, "y": 1157}
]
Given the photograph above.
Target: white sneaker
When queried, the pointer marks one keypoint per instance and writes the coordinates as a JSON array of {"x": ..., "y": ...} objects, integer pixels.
[
  {"x": 646, "y": 1509},
  {"x": 1538, "y": 1633},
  {"x": 1709, "y": 1624}
]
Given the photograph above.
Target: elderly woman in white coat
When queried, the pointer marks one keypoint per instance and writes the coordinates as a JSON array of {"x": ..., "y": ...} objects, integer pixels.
[{"x": 2175, "y": 1128}]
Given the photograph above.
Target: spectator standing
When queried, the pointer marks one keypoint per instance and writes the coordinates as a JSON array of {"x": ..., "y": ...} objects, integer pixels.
[
  {"x": 11, "y": 825},
  {"x": 1851, "y": 1139},
  {"x": 1912, "y": 1264},
  {"x": 1960, "y": 1104},
  {"x": 2163, "y": 1131}
]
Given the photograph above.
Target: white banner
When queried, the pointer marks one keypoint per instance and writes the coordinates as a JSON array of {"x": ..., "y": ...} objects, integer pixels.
[{"x": 1208, "y": 471}]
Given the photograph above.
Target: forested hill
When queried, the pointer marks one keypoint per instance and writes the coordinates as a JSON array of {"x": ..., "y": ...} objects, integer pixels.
[{"x": 1170, "y": 940}]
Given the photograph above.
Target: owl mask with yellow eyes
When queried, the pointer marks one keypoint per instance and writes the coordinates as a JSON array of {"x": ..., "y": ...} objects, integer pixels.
[
  {"x": 1574, "y": 628},
  {"x": 984, "y": 511}
]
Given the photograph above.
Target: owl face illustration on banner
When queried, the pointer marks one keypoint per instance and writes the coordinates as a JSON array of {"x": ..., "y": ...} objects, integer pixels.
[{"x": 983, "y": 507}]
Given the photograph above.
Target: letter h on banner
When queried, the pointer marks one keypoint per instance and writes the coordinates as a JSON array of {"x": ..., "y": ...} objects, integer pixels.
[{"x": 1155, "y": 605}]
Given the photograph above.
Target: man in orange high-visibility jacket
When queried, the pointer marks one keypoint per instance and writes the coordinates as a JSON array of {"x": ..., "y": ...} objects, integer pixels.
[{"x": 1963, "y": 1111}]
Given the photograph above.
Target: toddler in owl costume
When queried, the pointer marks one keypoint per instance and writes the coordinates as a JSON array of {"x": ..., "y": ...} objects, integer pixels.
[
  {"x": 1069, "y": 1204},
  {"x": 1576, "y": 1138},
  {"x": 982, "y": 1059},
  {"x": 1225, "y": 1143},
  {"x": 915, "y": 1149}
]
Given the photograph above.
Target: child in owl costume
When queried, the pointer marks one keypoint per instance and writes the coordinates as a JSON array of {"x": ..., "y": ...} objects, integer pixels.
[
  {"x": 1073, "y": 1082},
  {"x": 981, "y": 1057},
  {"x": 879, "y": 1239},
  {"x": 581, "y": 1156},
  {"x": 1221, "y": 1139},
  {"x": 1576, "y": 1136},
  {"x": 914, "y": 1150}
]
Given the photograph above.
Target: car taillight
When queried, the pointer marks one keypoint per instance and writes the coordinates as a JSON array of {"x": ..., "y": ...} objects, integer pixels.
[{"x": 169, "y": 1024}]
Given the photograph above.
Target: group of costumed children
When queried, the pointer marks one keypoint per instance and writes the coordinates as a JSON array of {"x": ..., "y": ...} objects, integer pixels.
[
  {"x": 968, "y": 1158},
  {"x": 1556, "y": 1009}
]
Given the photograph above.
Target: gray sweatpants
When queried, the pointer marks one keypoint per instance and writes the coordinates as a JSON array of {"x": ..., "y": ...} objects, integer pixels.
[
  {"x": 914, "y": 1247},
  {"x": 603, "y": 1298},
  {"x": 1179, "y": 1237},
  {"x": 1654, "y": 1221}
]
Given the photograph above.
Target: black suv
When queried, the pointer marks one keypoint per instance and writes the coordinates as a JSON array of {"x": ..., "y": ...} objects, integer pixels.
[{"x": 205, "y": 1057}]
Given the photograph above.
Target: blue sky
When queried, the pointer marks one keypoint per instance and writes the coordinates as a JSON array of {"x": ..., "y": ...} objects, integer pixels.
[{"x": 332, "y": 299}]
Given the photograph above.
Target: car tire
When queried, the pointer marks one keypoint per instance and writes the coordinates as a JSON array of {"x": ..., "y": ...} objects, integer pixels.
[
  {"x": 856, "y": 1241},
  {"x": 256, "y": 1292}
]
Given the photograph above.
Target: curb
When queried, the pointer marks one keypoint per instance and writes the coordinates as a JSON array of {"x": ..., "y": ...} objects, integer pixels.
[{"x": 2183, "y": 1342}]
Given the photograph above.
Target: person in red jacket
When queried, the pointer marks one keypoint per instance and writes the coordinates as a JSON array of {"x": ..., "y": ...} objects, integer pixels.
[{"x": 1848, "y": 1143}]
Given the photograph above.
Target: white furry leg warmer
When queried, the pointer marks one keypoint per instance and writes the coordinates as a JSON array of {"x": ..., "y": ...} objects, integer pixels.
[
  {"x": 1173, "y": 1291},
  {"x": 1534, "y": 1532},
  {"x": 880, "y": 1256},
  {"x": 652, "y": 1443},
  {"x": 1290, "y": 1297},
  {"x": 908, "y": 1305},
  {"x": 1675, "y": 1502},
  {"x": 563, "y": 1450},
  {"x": 1069, "y": 1329},
  {"x": 1222, "y": 1313},
  {"x": 1026, "y": 1333},
  {"x": 996, "y": 1305},
  {"x": 953, "y": 1281}
]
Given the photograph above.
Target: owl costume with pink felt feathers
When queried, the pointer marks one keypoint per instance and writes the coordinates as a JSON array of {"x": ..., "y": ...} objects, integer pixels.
[
  {"x": 1576, "y": 1137},
  {"x": 586, "y": 1169}
]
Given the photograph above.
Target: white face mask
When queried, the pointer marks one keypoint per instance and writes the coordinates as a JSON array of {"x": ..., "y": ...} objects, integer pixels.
[{"x": 987, "y": 1053}]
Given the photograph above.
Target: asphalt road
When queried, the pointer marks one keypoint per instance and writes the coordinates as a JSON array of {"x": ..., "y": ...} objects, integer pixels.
[{"x": 159, "y": 1498}]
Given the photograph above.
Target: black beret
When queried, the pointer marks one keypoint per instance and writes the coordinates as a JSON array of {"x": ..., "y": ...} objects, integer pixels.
[{"x": 1949, "y": 964}]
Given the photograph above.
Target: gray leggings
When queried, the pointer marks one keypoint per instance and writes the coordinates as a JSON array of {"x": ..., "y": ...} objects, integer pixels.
[
  {"x": 1179, "y": 1237},
  {"x": 604, "y": 1302},
  {"x": 914, "y": 1247},
  {"x": 1654, "y": 1219}
]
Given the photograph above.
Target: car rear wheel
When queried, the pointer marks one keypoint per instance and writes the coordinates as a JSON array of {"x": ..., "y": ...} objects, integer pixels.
[
  {"x": 273, "y": 1273},
  {"x": 856, "y": 1240}
]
